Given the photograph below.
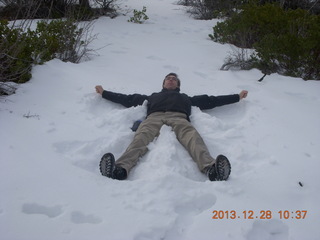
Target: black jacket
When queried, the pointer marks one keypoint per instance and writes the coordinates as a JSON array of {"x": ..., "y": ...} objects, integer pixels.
[{"x": 170, "y": 100}]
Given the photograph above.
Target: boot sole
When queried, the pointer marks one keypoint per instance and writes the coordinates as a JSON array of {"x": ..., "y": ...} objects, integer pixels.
[
  {"x": 107, "y": 165},
  {"x": 223, "y": 168}
]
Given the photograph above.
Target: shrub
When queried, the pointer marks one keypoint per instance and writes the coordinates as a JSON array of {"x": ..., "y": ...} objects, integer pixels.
[
  {"x": 20, "y": 48},
  {"x": 295, "y": 52},
  {"x": 286, "y": 42},
  {"x": 16, "y": 54},
  {"x": 139, "y": 16},
  {"x": 250, "y": 25},
  {"x": 40, "y": 9},
  {"x": 208, "y": 9},
  {"x": 56, "y": 39}
]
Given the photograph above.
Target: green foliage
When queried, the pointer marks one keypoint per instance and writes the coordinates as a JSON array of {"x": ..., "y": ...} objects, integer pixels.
[
  {"x": 295, "y": 52},
  {"x": 222, "y": 8},
  {"x": 15, "y": 58},
  {"x": 208, "y": 9},
  {"x": 248, "y": 26},
  {"x": 41, "y": 9},
  {"x": 56, "y": 39},
  {"x": 21, "y": 49},
  {"x": 286, "y": 42},
  {"x": 81, "y": 13},
  {"x": 139, "y": 16}
]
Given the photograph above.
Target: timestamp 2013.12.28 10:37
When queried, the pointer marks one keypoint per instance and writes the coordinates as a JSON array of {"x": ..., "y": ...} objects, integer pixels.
[{"x": 261, "y": 214}]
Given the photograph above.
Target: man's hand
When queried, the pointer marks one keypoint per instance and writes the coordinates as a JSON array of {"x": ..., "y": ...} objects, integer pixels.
[
  {"x": 99, "y": 89},
  {"x": 243, "y": 94}
]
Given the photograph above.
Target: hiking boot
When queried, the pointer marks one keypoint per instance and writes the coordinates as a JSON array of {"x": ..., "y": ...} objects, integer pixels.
[
  {"x": 119, "y": 173},
  {"x": 110, "y": 170},
  {"x": 107, "y": 165},
  {"x": 220, "y": 170}
]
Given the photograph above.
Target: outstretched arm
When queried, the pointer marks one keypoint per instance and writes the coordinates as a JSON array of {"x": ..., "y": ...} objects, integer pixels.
[
  {"x": 209, "y": 102},
  {"x": 99, "y": 89},
  {"x": 243, "y": 94},
  {"x": 123, "y": 99}
]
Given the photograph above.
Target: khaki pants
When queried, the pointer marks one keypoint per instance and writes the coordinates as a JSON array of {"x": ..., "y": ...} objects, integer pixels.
[{"x": 186, "y": 134}]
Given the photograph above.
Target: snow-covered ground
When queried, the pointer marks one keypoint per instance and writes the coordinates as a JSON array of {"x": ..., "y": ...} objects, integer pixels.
[{"x": 55, "y": 129}]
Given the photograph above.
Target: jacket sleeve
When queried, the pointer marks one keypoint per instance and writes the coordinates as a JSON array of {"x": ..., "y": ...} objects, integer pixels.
[
  {"x": 208, "y": 102},
  {"x": 131, "y": 100}
]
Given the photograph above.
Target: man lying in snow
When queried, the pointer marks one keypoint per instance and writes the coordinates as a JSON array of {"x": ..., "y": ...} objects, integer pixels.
[{"x": 172, "y": 108}]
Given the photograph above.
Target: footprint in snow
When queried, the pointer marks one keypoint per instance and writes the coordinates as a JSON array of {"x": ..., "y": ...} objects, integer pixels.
[
  {"x": 271, "y": 229},
  {"x": 201, "y": 74},
  {"x": 119, "y": 51},
  {"x": 155, "y": 58},
  {"x": 34, "y": 208},
  {"x": 78, "y": 217},
  {"x": 171, "y": 68},
  {"x": 196, "y": 204}
]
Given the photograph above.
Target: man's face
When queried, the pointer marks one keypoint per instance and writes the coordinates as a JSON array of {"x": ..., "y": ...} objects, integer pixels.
[{"x": 170, "y": 82}]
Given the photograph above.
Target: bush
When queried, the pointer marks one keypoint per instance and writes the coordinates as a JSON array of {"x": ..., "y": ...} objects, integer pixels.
[
  {"x": 139, "y": 16},
  {"x": 295, "y": 52},
  {"x": 41, "y": 9},
  {"x": 208, "y": 9},
  {"x": 20, "y": 49},
  {"x": 16, "y": 54},
  {"x": 56, "y": 39},
  {"x": 250, "y": 25},
  {"x": 286, "y": 42}
]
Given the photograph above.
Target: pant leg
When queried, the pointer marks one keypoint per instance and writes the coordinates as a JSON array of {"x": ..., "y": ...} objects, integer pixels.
[
  {"x": 145, "y": 134},
  {"x": 189, "y": 137}
]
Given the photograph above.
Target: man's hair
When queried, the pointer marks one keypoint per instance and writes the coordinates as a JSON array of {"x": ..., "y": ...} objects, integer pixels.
[{"x": 172, "y": 74}]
